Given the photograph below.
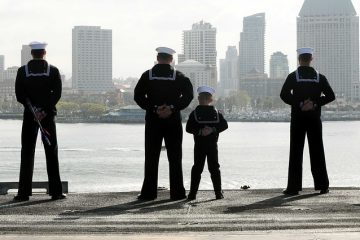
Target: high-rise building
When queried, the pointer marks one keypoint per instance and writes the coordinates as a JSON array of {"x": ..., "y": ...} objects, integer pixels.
[
  {"x": 25, "y": 54},
  {"x": 199, "y": 44},
  {"x": 252, "y": 45},
  {"x": 279, "y": 66},
  {"x": 2, "y": 63},
  {"x": 92, "y": 59},
  {"x": 331, "y": 27},
  {"x": 199, "y": 74},
  {"x": 228, "y": 71}
]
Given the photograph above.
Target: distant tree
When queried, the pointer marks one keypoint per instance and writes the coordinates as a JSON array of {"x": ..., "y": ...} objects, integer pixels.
[
  {"x": 267, "y": 103},
  {"x": 3, "y": 105},
  {"x": 237, "y": 99},
  {"x": 67, "y": 108},
  {"x": 278, "y": 103},
  {"x": 220, "y": 104},
  {"x": 92, "y": 109}
]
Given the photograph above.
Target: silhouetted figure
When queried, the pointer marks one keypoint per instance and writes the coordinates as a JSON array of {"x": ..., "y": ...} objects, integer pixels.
[
  {"x": 163, "y": 92},
  {"x": 205, "y": 123},
  {"x": 38, "y": 86},
  {"x": 306, "y": 91}
]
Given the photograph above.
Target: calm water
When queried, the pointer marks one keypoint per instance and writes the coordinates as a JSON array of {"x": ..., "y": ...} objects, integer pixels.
[{"x": 110, "y": 157}]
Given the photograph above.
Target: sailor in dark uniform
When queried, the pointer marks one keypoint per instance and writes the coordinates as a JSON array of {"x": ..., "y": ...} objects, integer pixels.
[
  {"x": 205, "y": 123},
  {"x": 306, "y": 90},
  {"x": 38, "y": 84},
  {"x": 163, "y": 92}
]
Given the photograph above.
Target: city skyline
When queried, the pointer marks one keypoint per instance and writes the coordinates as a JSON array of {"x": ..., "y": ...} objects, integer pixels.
[{"x": 139, "y": 27}]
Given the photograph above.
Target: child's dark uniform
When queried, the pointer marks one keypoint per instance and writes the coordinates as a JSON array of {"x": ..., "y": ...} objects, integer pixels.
[{"x": 205, "y": 146}]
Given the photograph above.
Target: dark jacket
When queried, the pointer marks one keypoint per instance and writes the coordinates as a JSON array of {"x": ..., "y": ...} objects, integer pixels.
[
  {"x": 164, "y": 86},
  {"x": 310, "y": 85},
  {"x": 42, "y": 85},
  {"x": 206, "y": 116}
]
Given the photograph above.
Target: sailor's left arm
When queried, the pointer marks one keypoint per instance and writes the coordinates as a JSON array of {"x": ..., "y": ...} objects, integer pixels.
[
  {"x": 55, "y": 91},
  {"x": 222, "y": 125}
]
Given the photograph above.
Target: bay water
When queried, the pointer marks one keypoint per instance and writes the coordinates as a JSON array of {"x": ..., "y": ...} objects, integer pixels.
[{"x": 110, "y": 157}]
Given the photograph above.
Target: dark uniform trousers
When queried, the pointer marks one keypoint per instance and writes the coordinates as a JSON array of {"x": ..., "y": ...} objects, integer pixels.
[
  {"x": 201, "y": 152},
  {"x": 28, "y": 141},
  {"x": 171, "y": 131},
  {"x": 312, "y": 127}
]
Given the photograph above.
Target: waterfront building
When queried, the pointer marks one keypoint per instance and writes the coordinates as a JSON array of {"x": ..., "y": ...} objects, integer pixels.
[
  {"x": 127, "y": 114},
  {"x": 92, "y": 59},
  {"x": 199, "y": 74},
  {"x": 259, "y": 87},
  {"x": 331, "y": 27},
  {"x": 279, "y": 66},
  {"x": 254, "y": 83}
]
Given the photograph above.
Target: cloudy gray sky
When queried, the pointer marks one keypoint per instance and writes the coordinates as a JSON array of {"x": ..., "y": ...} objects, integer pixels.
[{"x": 139, "y": 26}]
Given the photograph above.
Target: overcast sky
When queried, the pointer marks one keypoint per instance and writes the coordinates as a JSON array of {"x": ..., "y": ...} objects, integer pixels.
[{"x": 139, "y": 26}]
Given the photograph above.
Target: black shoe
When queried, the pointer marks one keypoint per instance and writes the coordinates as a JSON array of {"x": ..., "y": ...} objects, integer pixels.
[
  {"x": 191, "y": 196},
  {"x": 19, "y": 198},
  {"x": 145, "y": 198},
  {"x": 290, "y": 192},
  {"x": 58, "y": 197},
  {"x": 176, "y": 198},
  {"x": 324, "y": 191},
  {"x": 219, "y": 195}
]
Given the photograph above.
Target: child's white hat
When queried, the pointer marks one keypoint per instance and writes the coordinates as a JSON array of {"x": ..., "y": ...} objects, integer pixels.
[{"x": 206, "y": 89}]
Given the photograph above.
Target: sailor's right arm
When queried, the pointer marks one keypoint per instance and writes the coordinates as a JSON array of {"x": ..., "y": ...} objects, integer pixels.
[
  {"x": 140, "y": 92},
  {"x": 20, "y": 87},
  {"x": 286, "y": 91}
]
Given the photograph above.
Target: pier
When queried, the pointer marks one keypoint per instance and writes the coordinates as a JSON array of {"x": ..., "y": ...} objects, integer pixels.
[{"x": 242, "y": 212}]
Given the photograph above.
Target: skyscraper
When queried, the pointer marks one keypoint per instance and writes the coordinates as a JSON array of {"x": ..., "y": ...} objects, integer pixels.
[
  {"x": 25, "y": 54},
  {"x": 252, "y": 45},
  {"x": 228, "y": 71},
  {"x": 279, "y": 66},
  {"x": 331, "y": 27},
  {"x": 199, "y": 44},
  {"x": 2, "y": 63},
  {"x": 92, "y": 59}
]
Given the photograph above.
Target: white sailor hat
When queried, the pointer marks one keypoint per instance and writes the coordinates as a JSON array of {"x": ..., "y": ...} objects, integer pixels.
[
  {"x": 304, "y": 50},
  {"x": 165, "y": 50},
  {"x": 206, "y": 89},
  {"x": 37, "y": 45}
]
